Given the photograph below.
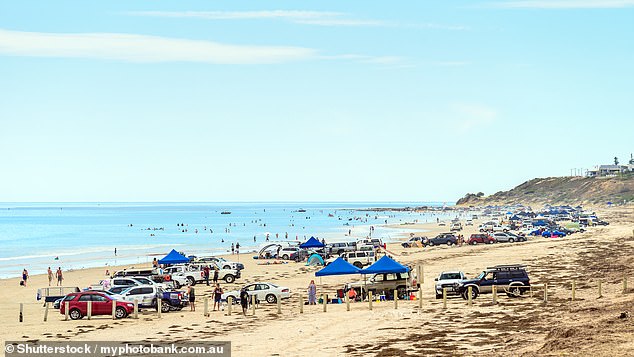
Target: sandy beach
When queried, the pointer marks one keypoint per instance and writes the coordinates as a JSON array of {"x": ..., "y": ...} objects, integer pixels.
[{"x": 524, "y": 326}]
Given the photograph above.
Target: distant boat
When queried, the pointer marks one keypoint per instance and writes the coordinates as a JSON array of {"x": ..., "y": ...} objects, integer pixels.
[
  {"x": 225, "y": 212},
  {"x": 301, "y": 210}
]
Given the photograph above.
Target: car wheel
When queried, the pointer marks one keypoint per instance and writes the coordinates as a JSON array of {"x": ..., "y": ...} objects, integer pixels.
[
  {"x": 191, "y": 280},
  {"x": 165, "y": 307},
  {"x": 449, "y": 243},
  {"x": 431, "y": 244},
  {"x": 285, "y": 256},
  {"x": 226, "y": 267},
  {"x": 514, "y": 291},
  {"x": 474, "y": 294},
  {"x": 271, "y": 299},
  {"x": 75, "y": 314},
  {"x": 505, "y": 230},
  {"x": 120, "y": 312},
  {"x": 511, "y": 240},
  {"x": 229, "y": 278},
  {"x": 474, "y": 243},
  {"x": 438, "y": 296},
  {"x": 358, "y": 265}
]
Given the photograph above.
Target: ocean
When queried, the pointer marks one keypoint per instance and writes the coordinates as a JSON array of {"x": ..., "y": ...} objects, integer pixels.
[{"x": 82, "y": 235}]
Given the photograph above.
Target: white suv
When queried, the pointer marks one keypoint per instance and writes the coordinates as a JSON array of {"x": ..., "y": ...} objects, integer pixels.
[{"x": 357, "y": 258}]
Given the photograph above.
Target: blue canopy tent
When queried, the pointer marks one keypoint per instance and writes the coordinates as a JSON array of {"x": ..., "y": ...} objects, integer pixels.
[
  {"x": 338, "y": 267},
  {"x": 385, "y": 265},
  {"x": 174, "y": 257},
  {"x": 312, "y": 243}
]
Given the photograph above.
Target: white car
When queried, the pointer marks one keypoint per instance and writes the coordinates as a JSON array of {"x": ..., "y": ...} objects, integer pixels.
[
  {"x": 449, "y": 280},
  {"x": 357, "y": 258},
  {"x": 219, "y": 261},
  {"x": 264, "y": 291}
]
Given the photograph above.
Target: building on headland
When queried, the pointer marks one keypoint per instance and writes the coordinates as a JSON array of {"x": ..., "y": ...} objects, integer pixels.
[{"x": 611, "y": 170}]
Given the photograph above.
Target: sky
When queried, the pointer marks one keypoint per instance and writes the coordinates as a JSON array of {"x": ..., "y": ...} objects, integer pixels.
[{"x": 308, "y": 101}]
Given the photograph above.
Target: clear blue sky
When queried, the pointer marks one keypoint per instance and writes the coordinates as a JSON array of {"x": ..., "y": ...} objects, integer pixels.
[{"x": 308, "y": 101}]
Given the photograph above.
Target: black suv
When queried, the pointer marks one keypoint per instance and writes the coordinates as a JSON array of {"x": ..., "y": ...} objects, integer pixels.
[
  {"x": 507, "y": 278},
  {"x": 443, "y": 238}
]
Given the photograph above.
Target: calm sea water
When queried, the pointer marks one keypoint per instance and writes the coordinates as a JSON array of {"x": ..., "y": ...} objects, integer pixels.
[{"x": 80, "y": 235}]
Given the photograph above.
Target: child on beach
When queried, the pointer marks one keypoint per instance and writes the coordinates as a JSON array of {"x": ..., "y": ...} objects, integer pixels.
[
  {"x": 25, "y": 277},
  {"x": 217, "y": 296}
]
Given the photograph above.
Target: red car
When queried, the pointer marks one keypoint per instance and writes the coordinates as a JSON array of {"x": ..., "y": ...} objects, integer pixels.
[
  {"x": 481, "y": 238},
  {"x": 101, "y": 305}
]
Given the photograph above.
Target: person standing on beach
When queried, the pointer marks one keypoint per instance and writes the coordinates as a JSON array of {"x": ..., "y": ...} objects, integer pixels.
[
  {"x": 232, "y": 248},
  {"x": 60, "y": 276},
  {"x": 206, "y": 270},
  {"x": 244, "y": 301},
  {"x": 237, "y": 248},
  {"x": 191, "y": 292},
  {"x": 50, "y": 276},
  {"x": 312, "y": 293},
  {"x": 25, "y": 277},
  {"x": 217, "y": 296},
  {"x": 215, "y": 275}
]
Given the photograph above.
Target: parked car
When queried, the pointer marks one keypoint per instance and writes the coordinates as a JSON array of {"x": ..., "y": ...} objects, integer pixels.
[
  {"x": 263, "y": 291},
  {"x": 553, "y": 234},
  {"x": 481, "y": 238},
  {"x": 507, "y": 237},
  {"x": 101, "y": 305},
  {"x": 337, "y": 248},
  {"x": 57, "y": 303},
  {"x": 358, "y": 258},
  {"x": 443, "y": 238},
  {"x": 469, "y": 222},
  {"x": 53, "y": 293},
  {"x": 136, "y": 272},
  {"x": 285, "y": 253},
  {"x": 448, "y": 280},
  {"x": 375, "y": 242},
  {"x": 455, "y": 227},
  {"x": 414, "y": 242},
  {"x": 512, "y": 279},
  {"x": 149, "y": 295}
]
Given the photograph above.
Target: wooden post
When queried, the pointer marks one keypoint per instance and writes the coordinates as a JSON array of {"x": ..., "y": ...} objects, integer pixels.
[
  {"x": 301, "y": 304},
  {"x": 545, "y": 292},
  {"x": 206, "y": 306},
  {"x": 21, "y": 312},
  {"x": 469, "y": 292},
  {"x": 419, "y": 274},
  {"x": 136, "y": 308},
  {"x": 444, "y": 298},
  {"x": 600, "y": 290},
  {"x": 574, "y": 286},
  {"x": 89, "y": 310},
  {"x": 66, "y": 306},
  {"x": 325, "y": 301},
  {"x": 422, "y": 275},
  {"x": 625, "y": 284},
  {"x": 395, "y": 299},
  {"x": 279, "y": 304},
  {"x": 159, "y": 303},
  {"x": 370, "y": 299},
  {"x": 253, "y": 298},
  {"x": 46, "y": 312},
  {"x": 229, "y": 305},
  {"x": 347, "y": 302},
  {"x": 495, "y": 294},
  {"x": 114, "y": 309}
]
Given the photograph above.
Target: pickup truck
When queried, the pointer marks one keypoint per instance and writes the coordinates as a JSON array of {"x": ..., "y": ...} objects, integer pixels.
[
  {"x": 194, "y": 273},
  {"x": 147, "y": 296},
  {"x": 450, "y": 281},
  {"x": 219, "y": 261},
  {"x": 385, "y": 284}
]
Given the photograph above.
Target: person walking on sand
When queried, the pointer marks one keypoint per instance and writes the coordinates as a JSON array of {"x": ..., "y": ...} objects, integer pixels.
[
  {"x": 232, "y": 249},
  {"x": 217, "y": 296},
  {"x": 191, "y": 292},
  {"x": 50, "y": 276},
  {"x": 25, "y": 277},
  {"x": 216, "y": 275},
  {"x": 312, "y": 293},
  {"x": 244, "y": 301},
  {"x": 60, "y": 276}
]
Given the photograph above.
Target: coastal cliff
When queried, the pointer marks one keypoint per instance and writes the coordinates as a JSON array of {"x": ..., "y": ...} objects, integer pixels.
[{"x": 560, "y": 190}]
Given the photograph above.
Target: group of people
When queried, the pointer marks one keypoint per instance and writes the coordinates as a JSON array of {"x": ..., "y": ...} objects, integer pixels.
[{"x": 58, "y": 274}]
